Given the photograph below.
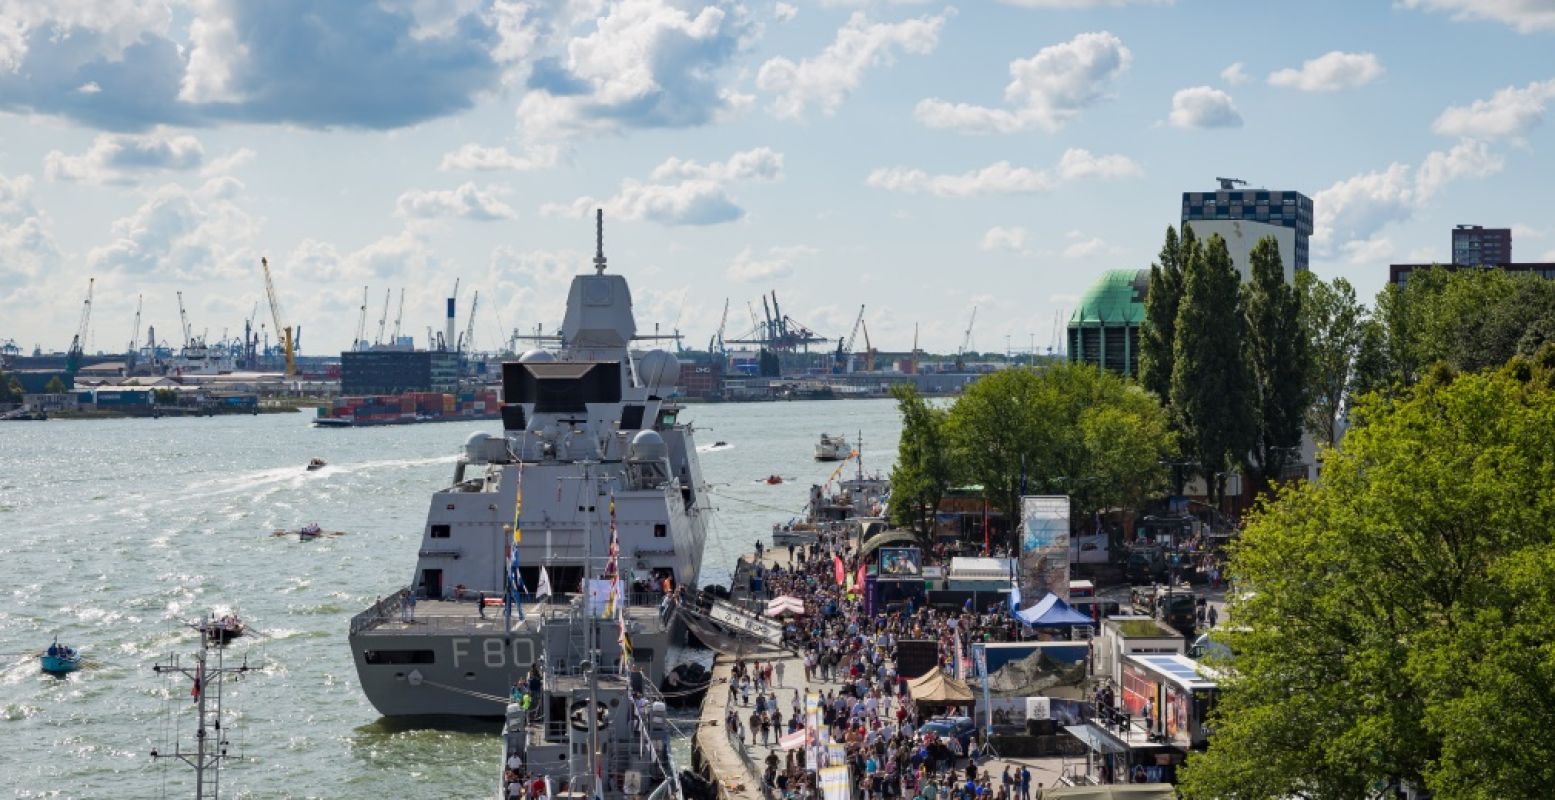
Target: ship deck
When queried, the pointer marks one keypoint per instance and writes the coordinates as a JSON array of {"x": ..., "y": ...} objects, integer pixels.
[{"x": 456, "y": 616}]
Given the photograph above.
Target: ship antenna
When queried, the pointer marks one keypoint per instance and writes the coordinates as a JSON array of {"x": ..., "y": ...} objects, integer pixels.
[{"x": 599, "y": 240}]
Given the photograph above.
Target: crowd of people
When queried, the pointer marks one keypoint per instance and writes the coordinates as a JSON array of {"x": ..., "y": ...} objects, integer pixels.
[{"x": 864, "y": 702}]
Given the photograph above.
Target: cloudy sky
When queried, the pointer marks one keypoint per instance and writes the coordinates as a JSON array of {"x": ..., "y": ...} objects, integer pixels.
[{"x": 918, "y": 158}]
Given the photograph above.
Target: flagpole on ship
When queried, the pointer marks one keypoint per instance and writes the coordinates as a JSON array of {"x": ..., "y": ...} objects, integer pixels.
[{"x": 591, "y": 638}]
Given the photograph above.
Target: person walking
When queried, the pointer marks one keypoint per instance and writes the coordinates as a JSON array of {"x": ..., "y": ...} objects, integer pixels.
[
  {"x": 779, "y": 670},
  {"x": 1214, "y": 616},
  {"x": 1025, "y": 783}
]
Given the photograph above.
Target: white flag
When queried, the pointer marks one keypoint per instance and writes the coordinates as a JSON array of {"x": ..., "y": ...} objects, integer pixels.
[{"x": 544, "y": 589}]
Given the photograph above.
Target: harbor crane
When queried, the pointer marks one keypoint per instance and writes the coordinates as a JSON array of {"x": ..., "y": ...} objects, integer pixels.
[
  {"x": 78, "y": 344},
  {"x": 360, "y": 342},
  {"x": 183, "y": 320},
  {"x": 869, "y": 349},
  {"x": 467, "y": 341},
  {"x": 715, "y": 345},
  {"x": 779, "y": 332},
  {"x": 129, "y": 353},
  {"x": 275, "y": 313},
  {"x": 398, "y": 317},
  {"x": 843, "y": 362},
  {"x": 1227, "y": 184},
  {"x": 966, "y": 342},
  {"x": 383, "y": 319}
]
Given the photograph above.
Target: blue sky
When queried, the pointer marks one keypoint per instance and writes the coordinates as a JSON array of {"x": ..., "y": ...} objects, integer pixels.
[{"x": 917, "y": 158}]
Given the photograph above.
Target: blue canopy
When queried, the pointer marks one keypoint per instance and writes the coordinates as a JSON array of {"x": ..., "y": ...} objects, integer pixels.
[{"x": 1052, "y": 612}]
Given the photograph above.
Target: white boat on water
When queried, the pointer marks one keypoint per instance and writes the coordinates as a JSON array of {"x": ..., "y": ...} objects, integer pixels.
[{"x": 832, "y": 447}]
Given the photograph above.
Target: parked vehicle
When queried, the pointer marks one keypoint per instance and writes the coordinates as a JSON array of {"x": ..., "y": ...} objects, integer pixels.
[
  {"x": 1145, "y": 565},
  {"x": 962, "y": 728}
]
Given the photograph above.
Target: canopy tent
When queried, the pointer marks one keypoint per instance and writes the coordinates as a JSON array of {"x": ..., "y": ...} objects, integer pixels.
[
  {"x": 1053, "y": 612},
  {"x": 1115, "y": 791},
  {"x": 885, "y": 538},
  {"x": 787, "y": 604},
  {"x": 935, "y": 688}
]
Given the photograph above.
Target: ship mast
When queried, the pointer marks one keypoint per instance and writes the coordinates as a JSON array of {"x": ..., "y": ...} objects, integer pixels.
[{"x": 206, "y": 756}]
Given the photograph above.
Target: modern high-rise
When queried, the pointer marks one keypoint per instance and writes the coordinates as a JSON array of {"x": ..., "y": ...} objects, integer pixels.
[
  {"x": 1476, "y": 246},
  {"x": 1244, "y": 216}
]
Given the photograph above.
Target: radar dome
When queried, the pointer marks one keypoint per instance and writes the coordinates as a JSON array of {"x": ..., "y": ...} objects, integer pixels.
[
  {"x": 659, "y": 371},
  {"x": 483, "y": 448},
  {"x": 536, "y": 357},
  {"x": 647, "y": 446}
]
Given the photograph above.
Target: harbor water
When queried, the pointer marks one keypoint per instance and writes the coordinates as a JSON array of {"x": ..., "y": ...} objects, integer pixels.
[{"x": 116, "y": 533}]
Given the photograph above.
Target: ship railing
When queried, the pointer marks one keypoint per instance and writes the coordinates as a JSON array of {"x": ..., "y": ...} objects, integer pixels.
[{"x": 379, "y": 612}]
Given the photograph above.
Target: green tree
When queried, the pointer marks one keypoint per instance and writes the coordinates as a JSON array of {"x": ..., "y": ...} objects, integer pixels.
[
  {"x": 55, "y": 386},
  {"x": 1158, "y": 330},
  {"x": 1212, "y": 388},
  {"x": 922, "y": 472},
  {"x": 1069, "y": 429},
  {"x": 1278, "y": 357},
  {"x": 1393, "y": 621},
  {"x": 1332, "y": 322},
  {"x": 16, "y": 389}
]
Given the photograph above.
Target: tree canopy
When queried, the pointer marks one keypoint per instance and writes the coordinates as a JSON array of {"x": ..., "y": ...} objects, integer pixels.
[
  {"x": 1067, "y": 429},
  {"x": 1211, "y": 398},
  {"x": 1393, "y": 622},
  {"x": 922, "y": 472},
  {"x": 1158, "y": 331},
  {"x": 1278, "y": 359},
  {"x": 1333, "y": 324}
]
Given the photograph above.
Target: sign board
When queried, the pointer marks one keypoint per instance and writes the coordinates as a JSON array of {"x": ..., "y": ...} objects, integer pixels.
[
  {"x": 745, "y": 622},
  {"x": 1044, "y": 548}
]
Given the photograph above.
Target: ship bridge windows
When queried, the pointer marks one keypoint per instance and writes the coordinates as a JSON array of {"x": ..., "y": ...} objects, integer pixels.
[
  {"x": 631, "y": 417},
  {"x": 399, "y": 656},
  {"x": 440, "y": 531},
  {"x": 660, "y": 530}
]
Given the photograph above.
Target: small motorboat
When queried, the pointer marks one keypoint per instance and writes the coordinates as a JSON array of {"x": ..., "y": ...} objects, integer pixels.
[
  {"x": 60, "y": 660},
  {"x": 316, "y": 464},
  {"x": 773, "y": 480},
  {"x": 223, "y": 629},
  {"x": 309, "y": 531},
  {"x": 720, "y": 443}
]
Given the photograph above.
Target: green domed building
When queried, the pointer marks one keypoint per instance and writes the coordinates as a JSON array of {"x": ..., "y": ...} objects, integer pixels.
[{"x": 1104, "y": 329}]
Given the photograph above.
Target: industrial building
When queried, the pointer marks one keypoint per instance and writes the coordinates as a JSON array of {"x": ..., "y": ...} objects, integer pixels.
[
  {"x": 366, "y": 372},
  {"x": 1244, "y": 216},
  {"x": 1104, "y": 329}
]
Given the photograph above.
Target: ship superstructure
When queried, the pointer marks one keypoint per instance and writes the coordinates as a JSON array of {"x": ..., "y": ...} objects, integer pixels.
[{"x": 592, "y": 451}]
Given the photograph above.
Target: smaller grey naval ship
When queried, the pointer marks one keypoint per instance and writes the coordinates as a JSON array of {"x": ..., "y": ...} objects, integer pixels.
[
  {"x": 587, "y": 728},
  {"x": 591, "y": 456}
]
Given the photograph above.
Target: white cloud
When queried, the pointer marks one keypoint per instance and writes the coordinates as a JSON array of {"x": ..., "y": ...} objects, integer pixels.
[
  {"x": 777, "y": 264},
  {"x": 826, "y": 80},
  {"x": 761, "y": 163},
  {"x": 1234, "y": 75},
  {"x": 1375, "y": 250},
  {"x": 1011, "y": 239},
  {"x": 1003, "y": 178},
  {"x": 479, "y": 158},
  {"x": 1527, "y": 16},
  {"x": 469, "y": 202},
  {"x": 1524, "y": 231},
  {"x": 784, "y": 12},
  {"x": 1045, "y": 91},
  {"x": 1330, "y": 72},
  {"x": 1083, "y": 3},
  {"x": 682, "y": 192},
  {"x": 228, "y": 163},
  {"x": 188, "y": 234},
  {"x": 1081, "y": 246},
  {"x": 1203, "y": 107},
  {"x": 27, "y": 247},
  {"x": 1510, "y": 112},
  {"x": 1349, "y": 214},
  {"x": 1466, "y": 159},
  {"x": 636, "y": 64},
  {"x": 1549, "y": 255},
  {"x": 125, "y": 159}
]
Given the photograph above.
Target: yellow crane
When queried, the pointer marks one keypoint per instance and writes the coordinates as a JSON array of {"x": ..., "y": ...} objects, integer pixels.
[{"x": 275, "y": 314}]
